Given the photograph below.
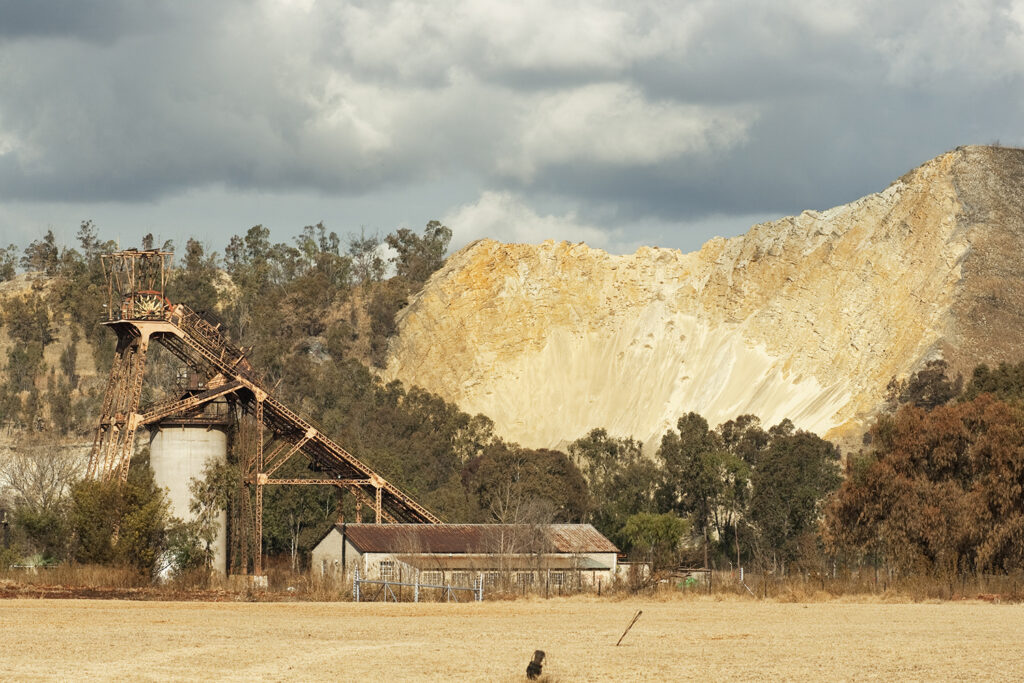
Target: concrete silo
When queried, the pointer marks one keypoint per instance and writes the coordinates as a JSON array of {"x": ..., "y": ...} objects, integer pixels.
[{"x": 179, "y": 449}]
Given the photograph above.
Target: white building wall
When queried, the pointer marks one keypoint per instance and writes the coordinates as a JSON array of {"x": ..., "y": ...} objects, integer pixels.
[
  {"x": 326, "y": 556},
  {"x": 332, "y": 551}
]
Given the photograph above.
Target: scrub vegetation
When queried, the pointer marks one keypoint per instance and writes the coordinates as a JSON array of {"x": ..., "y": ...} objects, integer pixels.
[{"x": 934, "y": 493}]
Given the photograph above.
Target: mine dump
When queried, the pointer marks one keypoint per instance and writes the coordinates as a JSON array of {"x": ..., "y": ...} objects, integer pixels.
[
  {"x": 511, "y": 341},
  {"x": 519, "y": 449}
]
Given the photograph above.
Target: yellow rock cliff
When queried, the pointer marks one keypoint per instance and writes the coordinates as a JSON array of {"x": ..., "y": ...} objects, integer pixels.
[{"x": 807, "y": 317}]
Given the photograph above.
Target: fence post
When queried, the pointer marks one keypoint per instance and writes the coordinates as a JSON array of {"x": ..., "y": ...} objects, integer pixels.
[
  {"x": 416, "y": 591},
  {"x": 480, "y": 587},
  {"x": 355, "y": 585}
]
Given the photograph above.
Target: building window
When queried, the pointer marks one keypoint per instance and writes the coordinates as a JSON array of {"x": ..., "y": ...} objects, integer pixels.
[
  {"x": 431, "y": 578},
  {"x": 491, "y": 579},
  {"x": 557, "y": 579},
  {"x": 524, "y": 578},
  {"x": 461, "y": 579},
  {"x": 387, "y": 570}
]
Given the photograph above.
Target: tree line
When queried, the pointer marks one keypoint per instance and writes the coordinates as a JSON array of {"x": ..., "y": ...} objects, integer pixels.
[
  {"x": 317, "y": 313},
  {"x": 938, "y": 491},
  {"x": 935, "y": 489}
]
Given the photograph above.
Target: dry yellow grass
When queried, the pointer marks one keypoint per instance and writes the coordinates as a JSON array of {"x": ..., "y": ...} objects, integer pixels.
[{"x": 674, "y": 639}]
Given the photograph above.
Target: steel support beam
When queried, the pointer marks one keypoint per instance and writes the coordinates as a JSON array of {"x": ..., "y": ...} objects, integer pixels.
[
  {"x": 260, "y": 479},
  {"x": 177, "y": 407},
  {"x": 138, "y": 313}
]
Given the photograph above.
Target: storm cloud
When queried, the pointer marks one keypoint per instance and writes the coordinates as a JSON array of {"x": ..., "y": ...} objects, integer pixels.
[{"x": 618, "y": 124}]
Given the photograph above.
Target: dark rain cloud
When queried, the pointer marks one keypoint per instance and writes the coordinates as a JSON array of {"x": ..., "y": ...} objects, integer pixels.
[
  {"x": 664, "y": 112},
  {"x": 96, "y": 21}
]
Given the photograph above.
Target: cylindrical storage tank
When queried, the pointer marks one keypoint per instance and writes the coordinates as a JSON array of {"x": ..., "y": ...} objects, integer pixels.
[{"x": 178, "y": 452}]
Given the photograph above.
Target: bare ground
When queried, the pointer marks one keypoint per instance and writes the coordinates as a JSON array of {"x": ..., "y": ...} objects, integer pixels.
[{"x": 676, "y": 639}]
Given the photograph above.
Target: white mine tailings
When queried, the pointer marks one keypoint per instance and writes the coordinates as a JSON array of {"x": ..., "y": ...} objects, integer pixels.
[{"x": 808, "y": 317}]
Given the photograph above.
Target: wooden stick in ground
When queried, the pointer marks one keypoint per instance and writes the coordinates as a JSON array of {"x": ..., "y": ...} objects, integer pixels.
[{"x": 635, "y": 617}]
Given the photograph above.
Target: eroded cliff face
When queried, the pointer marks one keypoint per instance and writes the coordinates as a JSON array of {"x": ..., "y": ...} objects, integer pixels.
[{"x": 808, "y": 317}]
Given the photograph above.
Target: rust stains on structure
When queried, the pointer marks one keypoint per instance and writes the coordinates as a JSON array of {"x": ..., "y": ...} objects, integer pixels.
[
  {"x": 475, "y": 538},
  {"x": 139, "y": 313},
  {"x": 511, "y": 555}
]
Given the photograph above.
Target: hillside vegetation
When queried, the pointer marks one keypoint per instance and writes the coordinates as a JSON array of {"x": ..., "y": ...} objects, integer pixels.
[{"x": 936, "y": 490}]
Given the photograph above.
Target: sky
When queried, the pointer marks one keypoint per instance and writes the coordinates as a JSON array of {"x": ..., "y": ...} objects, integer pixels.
[{"x": 619, "y": 124}]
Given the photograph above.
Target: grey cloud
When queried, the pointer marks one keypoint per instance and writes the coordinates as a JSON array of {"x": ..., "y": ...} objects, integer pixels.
[
  {"x": 92, "y": 21},
  {"x": 132, "y": 102},
  {"x": 805, "y": 154}
]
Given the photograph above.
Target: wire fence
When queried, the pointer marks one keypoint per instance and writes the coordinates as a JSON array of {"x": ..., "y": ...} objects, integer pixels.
[{"x": 386, "y": 589}]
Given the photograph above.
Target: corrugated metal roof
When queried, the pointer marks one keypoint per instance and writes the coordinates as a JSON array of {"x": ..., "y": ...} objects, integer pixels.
[
  {"x": 477, "y": 538},
  {"x": 483, "y": 563}
]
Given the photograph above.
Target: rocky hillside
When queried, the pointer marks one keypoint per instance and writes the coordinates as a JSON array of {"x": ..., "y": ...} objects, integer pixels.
[{"x": 807, "y": 317}]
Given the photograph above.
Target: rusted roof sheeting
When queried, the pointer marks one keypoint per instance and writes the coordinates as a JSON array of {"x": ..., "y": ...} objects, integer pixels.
[
  {"x": 477, "y": 538},
  {"x": 483, "y": 563}
]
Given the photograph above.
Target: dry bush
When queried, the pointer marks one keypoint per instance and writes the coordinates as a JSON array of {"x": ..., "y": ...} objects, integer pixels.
[
  {"x": 808, "y": 587},
  {"x": 79, "y": 575},
  {"x": 866, "y": 586}
]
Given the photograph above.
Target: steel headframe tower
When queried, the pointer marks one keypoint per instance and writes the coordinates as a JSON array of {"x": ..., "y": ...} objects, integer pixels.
[
  {"x": 139, "y": 312},
  {"x": 135, "y": 311}
]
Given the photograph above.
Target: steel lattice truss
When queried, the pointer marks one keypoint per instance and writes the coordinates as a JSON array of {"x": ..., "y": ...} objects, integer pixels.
[{"x": 139, "y": 313}]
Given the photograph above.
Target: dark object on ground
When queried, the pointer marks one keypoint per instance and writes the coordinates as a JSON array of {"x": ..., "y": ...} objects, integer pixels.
[
  {"x": 635, "y": 617},
  {"x": 534, "y": 667}
]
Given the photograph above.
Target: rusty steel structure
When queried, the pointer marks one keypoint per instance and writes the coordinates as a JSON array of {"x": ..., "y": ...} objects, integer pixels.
[{"x": 139, "y": 313}]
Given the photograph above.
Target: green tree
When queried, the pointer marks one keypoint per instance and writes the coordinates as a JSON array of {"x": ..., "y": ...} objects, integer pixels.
[
  {"x": 744, "y": 438},
  {"x": 138, "y": 509},
  {"x": 195, "y": 282},
  {"x": 620, "y": 479},
  {"x": 88, "y": 240},
  {"x": 24, "y": 364},
  {"x": 58, "y": 398},
  {"x": 364, "y": 252},
  {"x": 79, "y": 292},
  {"x": 418, "y": 256},
  {"x": 790, "y": 486},
  {"x": 27, "y": 319},
  {"x": 655, "y": 538},
  {"x": 191, "y": 544},
  {"x": 10, "y": 404},
  {"x": 8, "y": 261},
  {"x": 693, "y": 458},
  {"x": 520, "y": 485},
  {"x": 44, "y": 533},
  {"x": 37, "y": 480},
  {"x": 386, "y": 300},
  {"x": 69, "y": 360},
  {"x": 323, "y": 276},
  {"x": 929, "y": 387},
  {"x": 42, "y": 255},
  {"x": 321, "y": 253},
  {"x": 1005, "y": 382}
]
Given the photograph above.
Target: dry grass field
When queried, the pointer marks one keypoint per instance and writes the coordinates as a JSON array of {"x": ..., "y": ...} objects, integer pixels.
[{"x": 731, "y": 639}]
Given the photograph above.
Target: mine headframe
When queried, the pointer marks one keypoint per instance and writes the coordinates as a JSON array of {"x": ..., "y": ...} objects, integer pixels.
[
  {"x": 139, "y": 312},
  {"x": 136, "y": 283}
]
